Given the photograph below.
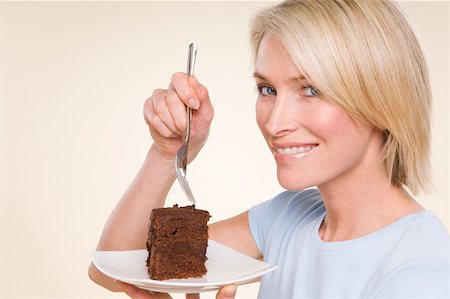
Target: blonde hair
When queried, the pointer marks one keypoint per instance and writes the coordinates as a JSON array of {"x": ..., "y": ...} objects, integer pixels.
[{"x": 365, "y": 57}]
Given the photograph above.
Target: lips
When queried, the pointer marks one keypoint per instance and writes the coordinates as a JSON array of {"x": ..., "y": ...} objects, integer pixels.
[
  {"x": 295, "y": 149},
  {"x": 292, "y": 151}
]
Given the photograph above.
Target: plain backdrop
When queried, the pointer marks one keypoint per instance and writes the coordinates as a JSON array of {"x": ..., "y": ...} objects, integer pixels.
[{"x": 74, "y": 77}]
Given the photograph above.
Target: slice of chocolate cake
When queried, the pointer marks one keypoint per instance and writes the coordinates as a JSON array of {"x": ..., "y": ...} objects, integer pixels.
[{"x": 177, "y": 242}]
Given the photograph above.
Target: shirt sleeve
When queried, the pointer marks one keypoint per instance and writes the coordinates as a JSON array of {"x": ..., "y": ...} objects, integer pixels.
[
  {"x": 262, "y": 216},
  {"x": 424, "y": 279}
]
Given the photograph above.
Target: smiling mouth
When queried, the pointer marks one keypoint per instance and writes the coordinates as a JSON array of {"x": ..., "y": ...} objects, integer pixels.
[{"x": 295, "y": 150}]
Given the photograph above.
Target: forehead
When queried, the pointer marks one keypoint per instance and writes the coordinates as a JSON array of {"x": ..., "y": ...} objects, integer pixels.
[{"x": 272, "y": 60}]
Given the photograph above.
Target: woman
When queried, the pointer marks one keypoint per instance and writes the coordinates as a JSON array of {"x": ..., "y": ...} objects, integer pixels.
[{"x": 343, "y": 104}]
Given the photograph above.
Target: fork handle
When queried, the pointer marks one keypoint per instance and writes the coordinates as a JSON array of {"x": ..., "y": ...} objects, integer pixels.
[
  {"x": 191, "y": 59},
  {"x": 192, "y": 54}
]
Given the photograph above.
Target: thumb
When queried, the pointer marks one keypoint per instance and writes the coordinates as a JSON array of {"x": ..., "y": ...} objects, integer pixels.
[
  {"x": 227, "y": 292},
  {"x": 206, "y": 110}
]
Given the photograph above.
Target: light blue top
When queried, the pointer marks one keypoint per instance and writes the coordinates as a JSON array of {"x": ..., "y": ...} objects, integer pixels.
[{"x": 407, "y": 259}]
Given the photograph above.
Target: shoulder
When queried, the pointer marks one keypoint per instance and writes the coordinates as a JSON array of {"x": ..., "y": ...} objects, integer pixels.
[
  {"x": 427, "y": 278},
  {"x": 419, "y": 237},
  {"x": 426, "y": 239},
  {"x": 433, "y": 236},
  {"x": 420, "y": 265},
  {"x": 273, "y": 216},
  {"x": 290, "y": 201}
]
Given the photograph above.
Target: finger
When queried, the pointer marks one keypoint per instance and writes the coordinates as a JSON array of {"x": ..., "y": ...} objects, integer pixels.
[
  {"x": 133, "y": 292},
  {"x": 157, "y": 295},
  {"x": 158, "y": 125},
  {"x": 161, "y": 109},
  {"x": 227, "y": 292},
  {"x": 195, "y": 95},
  {"x": 205, "y": 111},
  {"x": 136, "y": 293},
  {"x": 193, "y": 296},
  {"x": 177, "y": 109},
  {"x": 184, "y": 90},
  {"x": 153, "y": 121}
]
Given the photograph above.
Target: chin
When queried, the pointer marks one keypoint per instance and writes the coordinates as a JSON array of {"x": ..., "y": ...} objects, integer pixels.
[{"x": 293, "y": 182}]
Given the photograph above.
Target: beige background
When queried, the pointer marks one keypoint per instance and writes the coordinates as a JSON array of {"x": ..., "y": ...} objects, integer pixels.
[{"x": 74, "y": 77}]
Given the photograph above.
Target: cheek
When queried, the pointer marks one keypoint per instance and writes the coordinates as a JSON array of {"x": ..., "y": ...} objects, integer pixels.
[
  {"x": 330, "y": 123},
  {"x": 345, "y": 142},
  {"x": 262, "y": 115}
]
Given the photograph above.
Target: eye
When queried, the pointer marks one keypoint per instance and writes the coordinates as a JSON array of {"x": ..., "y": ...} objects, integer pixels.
[
  {"x": 310, "y": 91},
  {"x": 267, "y": 91}
]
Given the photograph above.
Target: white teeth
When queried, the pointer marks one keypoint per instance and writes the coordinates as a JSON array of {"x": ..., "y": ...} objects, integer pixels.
[{"x": 295, "y": 150}]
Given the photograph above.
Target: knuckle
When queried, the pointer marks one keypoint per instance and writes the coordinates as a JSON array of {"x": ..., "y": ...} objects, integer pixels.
[
  {"x": 177, "y": 76},
  {"x": 147, "y": 107},
  {"x": 156, "y": 97},
  {"x": 154, "y": 121},
  {"x": 148, "y": 102},
  {"x": 147, "y": 118},
  {"x": 157, "y": 93},
  {"x": 159, "y": 108},
  {"x": 148, "y": 110},
  {"x": 210, "y": 115},
  {"x": 203, "y": 92}
]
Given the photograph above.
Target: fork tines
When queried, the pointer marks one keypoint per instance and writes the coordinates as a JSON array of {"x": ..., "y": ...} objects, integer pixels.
[{"x": 185, "y": 186}]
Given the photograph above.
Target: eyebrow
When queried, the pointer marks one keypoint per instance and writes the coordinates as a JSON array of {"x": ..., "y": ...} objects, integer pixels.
[{"x": 264, "y": 78}]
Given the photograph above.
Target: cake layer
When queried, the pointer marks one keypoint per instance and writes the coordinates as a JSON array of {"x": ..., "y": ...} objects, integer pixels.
[
  {"x": 176, "y": 231},
  {"x": 183, "y": 265},
  {"x": 172, "y": 225},
  {"x": 176, "y": 211},
  {"x": 177, "y": 261}
]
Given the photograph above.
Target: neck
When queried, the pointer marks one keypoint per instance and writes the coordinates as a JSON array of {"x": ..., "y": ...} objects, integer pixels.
[{"x": 362, "y": 201}]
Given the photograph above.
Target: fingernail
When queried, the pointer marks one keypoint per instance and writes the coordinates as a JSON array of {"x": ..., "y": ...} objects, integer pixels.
[{"x": 193, "y": 103}]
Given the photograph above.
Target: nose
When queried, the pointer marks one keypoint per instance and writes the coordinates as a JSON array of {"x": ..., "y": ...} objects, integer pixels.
[{"x": 282, "y": 119}]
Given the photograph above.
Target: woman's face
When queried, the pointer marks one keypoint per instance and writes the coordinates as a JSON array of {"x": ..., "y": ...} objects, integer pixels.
[{"x": 313, "y": 141}]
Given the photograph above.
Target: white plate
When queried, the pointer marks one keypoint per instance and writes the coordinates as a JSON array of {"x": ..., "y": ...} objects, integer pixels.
[{"x": 224, "y": 265}]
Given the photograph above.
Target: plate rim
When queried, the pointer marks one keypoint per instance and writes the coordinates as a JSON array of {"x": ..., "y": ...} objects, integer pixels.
[{"x": 237, "y": 280}]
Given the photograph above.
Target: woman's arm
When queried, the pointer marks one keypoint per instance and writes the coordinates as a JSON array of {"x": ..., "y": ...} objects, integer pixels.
[
  {"x": 127, "y": 226},
  {"x": 235, "y": 233}
]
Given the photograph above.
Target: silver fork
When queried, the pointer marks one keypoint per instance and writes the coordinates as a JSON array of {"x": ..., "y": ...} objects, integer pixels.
[{"x": 181, "y": 160}]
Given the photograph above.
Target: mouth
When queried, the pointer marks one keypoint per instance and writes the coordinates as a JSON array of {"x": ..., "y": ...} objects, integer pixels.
[{"x": 293, "y": 152}]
